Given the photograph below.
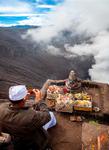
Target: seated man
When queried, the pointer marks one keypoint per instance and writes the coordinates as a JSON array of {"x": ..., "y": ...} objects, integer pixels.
[
  {"x": 25, "y": 125},
  {"x": 73, "y": 83}
]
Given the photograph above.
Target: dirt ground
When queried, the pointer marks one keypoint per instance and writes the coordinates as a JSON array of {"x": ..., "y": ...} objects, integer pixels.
[
  {"x": 87, "y": 135},
  {"x": 66, "y": 135},
  {"x": 95, "y": 136}
]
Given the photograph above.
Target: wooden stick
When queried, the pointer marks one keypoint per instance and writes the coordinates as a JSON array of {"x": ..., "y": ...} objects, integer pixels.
[{"x": 98, "y": 143}]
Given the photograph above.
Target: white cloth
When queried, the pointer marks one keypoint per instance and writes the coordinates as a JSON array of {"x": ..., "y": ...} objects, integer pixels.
[
  {"x": 17, "y": 93},
  {"x": 51, "y": 123}
]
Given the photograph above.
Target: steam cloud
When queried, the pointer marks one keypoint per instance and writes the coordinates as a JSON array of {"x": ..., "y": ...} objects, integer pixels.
[{"x": 86, "y": 16}]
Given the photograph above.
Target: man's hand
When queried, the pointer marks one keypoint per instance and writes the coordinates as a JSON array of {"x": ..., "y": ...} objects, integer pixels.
[{"x": 37, "y": 95}]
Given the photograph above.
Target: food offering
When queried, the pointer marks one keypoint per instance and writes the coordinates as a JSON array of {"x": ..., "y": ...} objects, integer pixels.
[
  {"x": 64, "y": 103},
  {"x": 83, "y": 102},
  {"x": 68, "y": 102},
  {"x": 52, "y": 94},
  {"x": 82, "y": 96},
  {"x": 83, "y": 105}
]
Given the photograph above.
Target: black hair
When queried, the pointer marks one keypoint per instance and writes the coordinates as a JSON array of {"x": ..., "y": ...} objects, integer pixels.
[{"x": 16, "y": 102}]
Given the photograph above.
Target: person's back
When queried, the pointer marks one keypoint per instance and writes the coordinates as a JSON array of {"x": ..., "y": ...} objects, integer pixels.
[{"x": 25, "y": 125}]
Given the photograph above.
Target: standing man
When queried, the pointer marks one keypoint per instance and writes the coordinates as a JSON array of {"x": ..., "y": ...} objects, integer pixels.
[{"x": 25, "y": 124}]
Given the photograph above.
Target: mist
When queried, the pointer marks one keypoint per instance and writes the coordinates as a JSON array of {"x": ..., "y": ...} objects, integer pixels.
[{"x": 85, "y": 23}]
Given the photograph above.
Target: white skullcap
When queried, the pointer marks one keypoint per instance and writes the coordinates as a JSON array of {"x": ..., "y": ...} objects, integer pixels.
[{"x": 17, "y": 93}]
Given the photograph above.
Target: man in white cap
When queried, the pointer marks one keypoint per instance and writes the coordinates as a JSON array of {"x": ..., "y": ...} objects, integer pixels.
[{"x": 27, "y": 126}]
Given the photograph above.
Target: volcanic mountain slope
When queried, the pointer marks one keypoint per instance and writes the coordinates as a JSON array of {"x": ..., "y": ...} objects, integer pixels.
[{"x": 22, "y": 62}]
